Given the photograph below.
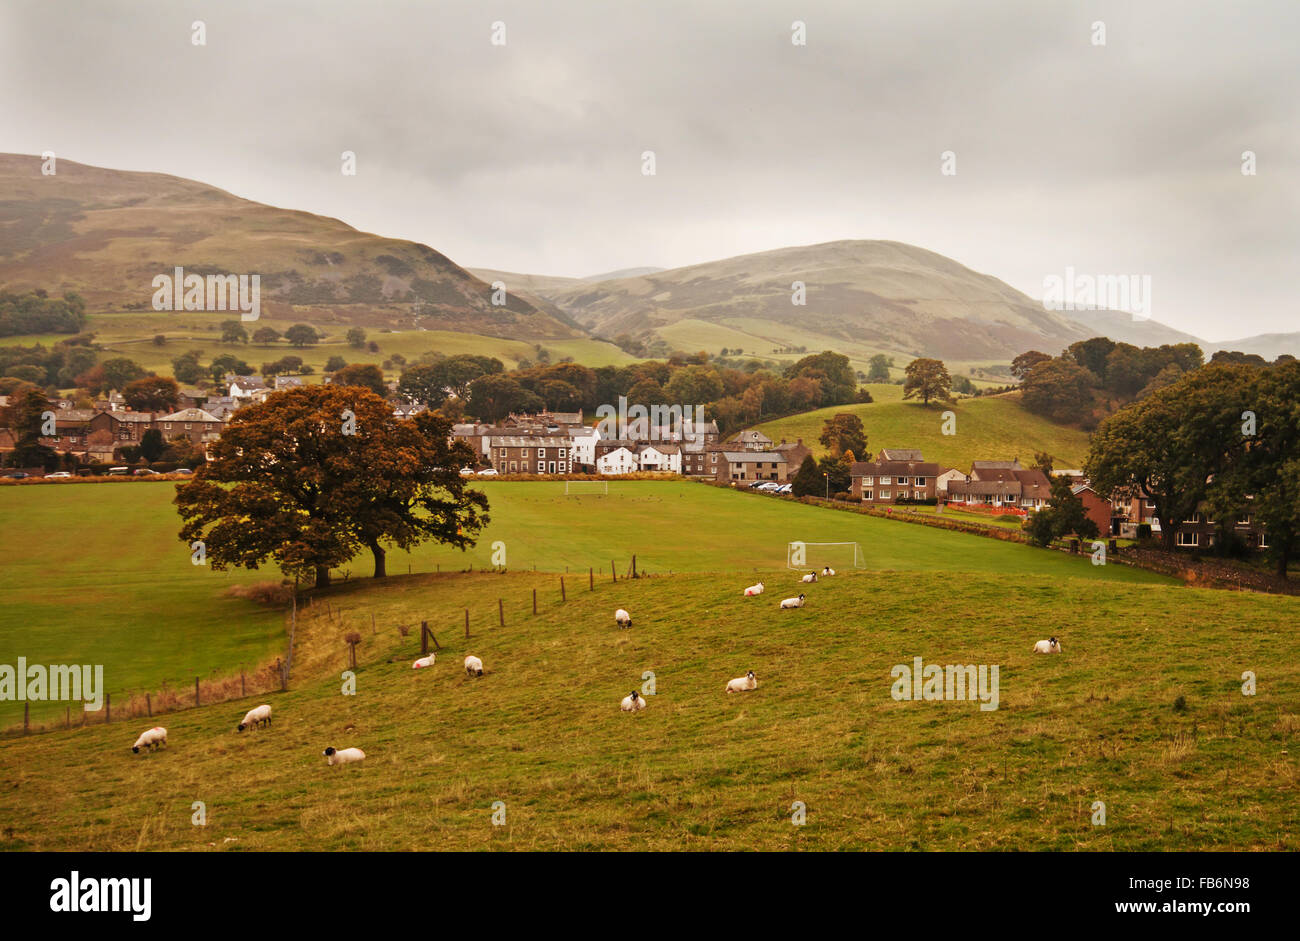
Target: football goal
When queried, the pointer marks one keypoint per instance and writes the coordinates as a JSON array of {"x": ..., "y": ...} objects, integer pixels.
[
  {"x": 586, "y": 488},
  {"x": 806, "y": 556}
]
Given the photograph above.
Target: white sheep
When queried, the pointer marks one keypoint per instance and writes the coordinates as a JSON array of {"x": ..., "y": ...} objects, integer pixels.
[
  {"x": 793, "y": 602},
  {"x": 753, "y": 590},
  {"x": 473, "y": 666},
  {"x": 827, "y": 572},
  {"x": 150, "y": 739},
  {"x": 809, "y": 578},
  {"x": 256, "y": 716},
  {"x": 1047, "y": 646},
  {"x": 633, "y": 702},
  {"x": 423, "y": 662},
  {"x": 622, "y": 618},
  {"x": 742, "y": 683},
  {"x": 344, "y": 756}
]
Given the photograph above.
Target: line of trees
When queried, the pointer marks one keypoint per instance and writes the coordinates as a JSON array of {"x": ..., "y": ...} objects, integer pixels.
[{"x": 37, "y": 312}]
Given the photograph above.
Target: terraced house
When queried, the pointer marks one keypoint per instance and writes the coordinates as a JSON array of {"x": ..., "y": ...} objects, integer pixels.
[
  {"x": 529, "y": 454},
  {"x": 1002, "y": 485},
  {"x": 897, "y": 474}
]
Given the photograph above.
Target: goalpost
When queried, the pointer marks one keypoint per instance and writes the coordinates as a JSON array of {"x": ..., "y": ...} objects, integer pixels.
[
  {"x": 812, "y": 556},
  {"x": 582, "y": 488}
]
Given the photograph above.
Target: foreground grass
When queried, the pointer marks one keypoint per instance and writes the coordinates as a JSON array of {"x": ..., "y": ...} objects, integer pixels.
[{"x": 699, "y": 769}]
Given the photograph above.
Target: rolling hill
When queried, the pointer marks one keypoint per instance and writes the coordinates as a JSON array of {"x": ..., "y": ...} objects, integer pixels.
[{"x": 107, "y": 233}]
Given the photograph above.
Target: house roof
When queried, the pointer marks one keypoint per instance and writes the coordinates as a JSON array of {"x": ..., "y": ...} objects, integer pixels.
[
  {"x": 661, "y": 447},
  {"x": 901, "y": 454},
  {"x": 190, "y": 415},
  {"x": 891, "y": 468},
  {"x": 746, "y": 457},
  {"x": 528, "y": 441}
]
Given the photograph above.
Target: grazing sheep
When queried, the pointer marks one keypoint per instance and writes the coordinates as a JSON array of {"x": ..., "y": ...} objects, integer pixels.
[
  {"x": 622, "y": 618},
  {"x": 150, "y": 739},
  {"x": 742, "y": 683},
  {"x": 793, "y": 602},
  {"x": 633, "y": 702},
  {"x": 343, "y": 756},
  {"x": 827, "y": 572},
  {"x": 256, "y": 716},
  {"x": 423, "y": 662},
  {"x": 473, "y": 666},
  {"x": 1047, "y": 646},
  {"x": 810, "y": 577},
  {"x": 753, "y": 590}
]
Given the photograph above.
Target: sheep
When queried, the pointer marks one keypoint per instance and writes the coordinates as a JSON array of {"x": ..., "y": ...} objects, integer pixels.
[
  {"x": 827, "y": 572},
  {"x": 256, "y": 716},
  {"x": 150, "y": 739},
  {"x": 345, "y": 756},
  {"x": 633, "y": 702},
  {"x": 753, "y": 590},
  {"x": 1047, "y": 646},
  {"x": 742, "y": 683},
  {"x": 810, "y": 577},
  {"x": 473, "y": 666},
  {"x": 423, "y": 662},
  {"x": 793, "y": 602},
  {"x": 622, "y": 618}
]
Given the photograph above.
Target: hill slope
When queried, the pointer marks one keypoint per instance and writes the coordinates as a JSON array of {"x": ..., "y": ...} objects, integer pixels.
[{"x": 107, "y": 233}]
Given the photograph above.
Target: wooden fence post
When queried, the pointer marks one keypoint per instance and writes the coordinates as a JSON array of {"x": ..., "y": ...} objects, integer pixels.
[
  {"x": 534, "y": 601},
  {"x": 27, "y": 715},
  {"x": 373, "y": 629},
  {"x": 562, "y": 596},
  {"x": 148, "y": 704},
  {"x": 591, "y": 578},
  {"x": 108, "y": 708},
  {"x": 501, "y": 611},
  {"x": 196, "y": 691},
  {"x": 613, "y": 575},
  {"x": 243, "y": 684},
  {"x": 424, "y": 638},
  {"x": 634, "y": 565},
  {"x": 467, "y": 622}
]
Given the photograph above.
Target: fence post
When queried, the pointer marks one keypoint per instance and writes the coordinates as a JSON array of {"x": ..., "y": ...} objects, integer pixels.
[
  {"x": 467, "y": 622},
  {"x": 591, "y": 578},
  {"x": 613, "y": 575},
  {"x": 108, "y": 708},
  {"x": 634, "y": 565},
  {"x": 562, "y": 596},
  {"x": 27, "y": 715},
  {"x": 534, "y": 601},
  {"x": 148, "y": 704},
  {"x": 243, "y": 684},
  {"x": 501, "y": 611},
  {"x": 196, "y": 691}
]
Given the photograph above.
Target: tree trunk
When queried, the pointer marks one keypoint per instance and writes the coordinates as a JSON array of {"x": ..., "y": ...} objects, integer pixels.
[
  {"x": 322, "y": 576},
  {"x": 1283, "y": 560},
  {"x": 380, "y": 559}
]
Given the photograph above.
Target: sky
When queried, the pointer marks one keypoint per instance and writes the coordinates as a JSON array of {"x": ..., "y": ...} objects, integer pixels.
[{"x": 1122, "y": 158}]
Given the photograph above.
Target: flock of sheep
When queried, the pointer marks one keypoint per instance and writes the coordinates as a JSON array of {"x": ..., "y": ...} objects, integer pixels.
[{"x": 258, "y": 716}]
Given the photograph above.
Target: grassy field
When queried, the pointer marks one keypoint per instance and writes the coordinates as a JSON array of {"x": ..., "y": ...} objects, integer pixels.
[
  {"x": 993, "y": 428},
  {"x": 1142, "y": 710},
  {"x": 96, "y": 574}
]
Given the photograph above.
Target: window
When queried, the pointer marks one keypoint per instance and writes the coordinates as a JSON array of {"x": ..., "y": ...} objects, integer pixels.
[
  {"x": 1188, "y": 539},
  {"x": 868, "y": 481},
  {"x": 866, "y": 495},
  {"x": 168, "y": 426},
  {"x": 513, "y": 467},
  {"x": 1196, "y": 518},
  {"x": 884, "y": 480},
  {"x": 1243, "y": 520},
  {"x": 884, "y": 494},
  {"x": 919, "y": 481},
  {"x": 1263, "y": 540},
  {"x": 903, "y": 481},
  {"x": 918, "y": 494},
  {"x": 541, "y": 452},
  {"x": 561, "y": 466}
]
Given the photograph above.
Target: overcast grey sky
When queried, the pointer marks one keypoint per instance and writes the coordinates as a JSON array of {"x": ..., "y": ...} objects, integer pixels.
[{"x": 1115, "y": 159}]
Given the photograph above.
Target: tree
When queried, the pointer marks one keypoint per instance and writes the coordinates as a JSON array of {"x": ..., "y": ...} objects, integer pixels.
[
  {"x": 836, "y": 473},
  {"x": 120, "y": 371},
  {"x": 1043, "y": 462},
  {"x": 24, "y": 417},
  {"x": 839, "y": 381},
  {"x": 365, "y": 375},
  {"x": 493, "y": 397},
  {"x": 878, "y": 368},
  {"x": 1091, "y": 355},
  {"x": 843, "y": 432},
  {"x": 228, "y": 363},
  {"x": 232, "y": 331},
  {"x": 1065, "y": 515},
  {"x": 1022, "y": 364},
  {"x": 301, "y": 335},
  {"x": 929, "y": 379},
  {"x": 423, "y": 384},
  {"x": 1168, "y": 445},
  {"x": 152, "y": 445},
  {"x": 266, "y": 335},
  {"x": 1060, "y": 390},
  {"x": 159, "y": 339},
  {"x": 335, "y": 363},
  {"x": 288, "y": 484},
  {"x": 152, "y": 394},
  {"x": 807, "y": 480},
  {"x": 694, "y": 385},
  {"x": 186, "y": 367},
  {"x": 356, "y": 338}
]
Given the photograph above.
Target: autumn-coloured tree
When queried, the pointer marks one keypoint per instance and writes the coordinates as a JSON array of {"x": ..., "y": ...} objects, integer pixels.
[
  {"x": 927, "y": 378},
  {"x": 844, "y": 432},
  {"x": 311, "y": 476},
  {"x": 365, "y": 375},
  {"x": 152, "y": 394}
]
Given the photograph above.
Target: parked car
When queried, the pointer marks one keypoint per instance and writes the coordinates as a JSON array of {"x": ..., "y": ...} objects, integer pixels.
[
  {"x": 785, "y": 488},
  {"x": 145, "y": 472},
  {"x": 769, "y": 485},
  {"x": 58, "y": 475},
  {"x": 18, "y": 475},
  {"x": 182, "y": 470},
  {"x": 118, "y": 471},
  {"x": 488, "y": 472},
  {"x": 467, "y": 472},
  {"x": 756, "y": 484}
]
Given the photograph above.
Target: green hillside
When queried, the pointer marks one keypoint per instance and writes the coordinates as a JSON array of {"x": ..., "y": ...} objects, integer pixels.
[{"x": 992, "y": 428}]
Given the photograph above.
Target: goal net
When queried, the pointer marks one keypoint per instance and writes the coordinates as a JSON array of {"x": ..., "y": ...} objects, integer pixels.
[
  {"x": 810, "y": 556},
  {"x": 581, "y": 488}
]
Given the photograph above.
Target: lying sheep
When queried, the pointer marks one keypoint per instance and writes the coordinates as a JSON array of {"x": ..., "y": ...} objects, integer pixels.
[
  {"x": 793, "y": 602},
  {"x": 150, "y": 739},
  {"x": 423, "y": 662},
  {"x": 1047, "y": 646},
  {"x": 633, "y": 702},
  {"x": 473, "y": 666},
  {"x": 810, "y": 577},
  {"x": 256, "y": 716},
  {"x": 827, "y": 572},
  {"x": 753, "y": 590},
  {"x": 742, "y": 683},
  {"x": 622, "y": 618},
  {"x": 343, "y": 756}
]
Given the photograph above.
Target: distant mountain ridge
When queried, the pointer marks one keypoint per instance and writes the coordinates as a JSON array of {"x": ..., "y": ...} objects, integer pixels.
[{"x": 107, "y": 233}]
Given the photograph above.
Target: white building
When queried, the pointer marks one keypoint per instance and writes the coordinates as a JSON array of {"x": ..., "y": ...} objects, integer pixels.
[
  {"x": 618, "y": 461},
  {"x": 661, "y": 457}
]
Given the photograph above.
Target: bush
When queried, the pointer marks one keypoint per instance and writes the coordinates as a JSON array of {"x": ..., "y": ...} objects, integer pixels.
[
  {"x": 1144, "y": 532},
  {"x": 268, "y": 593}
]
